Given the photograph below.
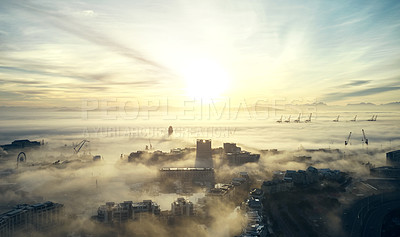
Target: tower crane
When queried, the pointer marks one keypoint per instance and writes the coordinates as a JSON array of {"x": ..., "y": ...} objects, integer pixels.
[
  {"x": 309, "y": 119},
  {"x": 337, "y": 119},
  {"x": 79, "y": 146},
  {"x": 364, "y": 139},
  {"x": 298, "y": 119},
  {"x": 348, "y": 140},
  {"x": 373, "y": 118}
]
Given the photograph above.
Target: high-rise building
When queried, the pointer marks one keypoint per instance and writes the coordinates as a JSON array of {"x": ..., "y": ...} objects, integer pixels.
[
  {"x": 182, "y": 207},
  {"x": 203, "y": 154}
]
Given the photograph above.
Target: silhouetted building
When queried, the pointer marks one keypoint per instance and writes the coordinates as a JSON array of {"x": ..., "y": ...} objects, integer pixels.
[
  {"x": 20, "y": 144},
  {"x": 203, "y": 154},
  {"x": 393, "y": 158}
]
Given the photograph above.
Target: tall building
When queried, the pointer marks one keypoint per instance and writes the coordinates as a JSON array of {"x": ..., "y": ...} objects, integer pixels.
[{"x": 203, "y": 154}]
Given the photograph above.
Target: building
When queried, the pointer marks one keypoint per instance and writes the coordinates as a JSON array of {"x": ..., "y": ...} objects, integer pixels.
[
  {"x": 393, "y": 158},
  {"x": 329, "y": 174},
  {"x": 25, "y": 218},
  {"x": 222, "y": 191},
  {"x": 154, "y": 157},
  {"x": 235, "y": 156},
  {"x": 115, "y": 213},
  {"x": 21, "y": 144},
  {"x": 241, "y": 158},
  {"x": 386, "y": 172},
  {"x": 203, "y": 154},
  {"x": 257, "y": 193},
  {"x": 147, "y": 206},
  {"x": 277, "y": 186},
  {"x": 182, "y": 207},
  {"x": 254, "y": 204},
  {"x": 122, "y": 212},
  {"x": 203, "y": 176},
  {"x": 231, "y": 148},
  {"x": 254, "y": 230},
  {"x": 289, "y": 175},
  {"x": 302, "y": 177}
]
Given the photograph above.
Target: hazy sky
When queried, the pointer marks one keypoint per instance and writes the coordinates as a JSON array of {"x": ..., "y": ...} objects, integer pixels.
[{"x": 56, "y": 53}]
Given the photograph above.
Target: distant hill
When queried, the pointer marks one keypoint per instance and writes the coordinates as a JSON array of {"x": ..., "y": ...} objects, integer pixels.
[
  {"x": 362, "y": 104},
  {"x": 392, "y": 103}
]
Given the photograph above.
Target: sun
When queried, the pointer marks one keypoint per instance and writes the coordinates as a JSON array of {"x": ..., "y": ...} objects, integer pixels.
[{"x": 205, "y": 79}]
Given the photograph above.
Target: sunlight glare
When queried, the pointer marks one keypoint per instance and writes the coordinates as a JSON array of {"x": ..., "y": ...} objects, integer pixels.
[{"x": 205, "y": 79}]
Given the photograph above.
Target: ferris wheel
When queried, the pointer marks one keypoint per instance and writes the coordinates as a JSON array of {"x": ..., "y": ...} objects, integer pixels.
[{"x": 21, "y": 158}]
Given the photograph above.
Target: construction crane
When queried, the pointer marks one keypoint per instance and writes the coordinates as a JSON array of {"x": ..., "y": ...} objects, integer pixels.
[
  {"x": 298, "y": 119},
  {"x": 280, "y": 120},
  {"x": 337, "y": 119},
  {"x": 309, "y": 119},
  {"x": 373, "y": 118},
  {"x": 288, "y": 120},
  {"x": 364, "y": 139},
  {"x": 79, "y": 146},
  {"x": 354, "y": 119},
  {"x": 348, "y": 140}
]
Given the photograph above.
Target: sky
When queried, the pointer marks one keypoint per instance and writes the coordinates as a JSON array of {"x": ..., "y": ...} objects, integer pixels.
[{"x": 58, "y": 53}]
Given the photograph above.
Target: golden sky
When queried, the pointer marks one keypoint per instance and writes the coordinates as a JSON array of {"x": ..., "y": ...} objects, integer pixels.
[{"x": 57, "y": 53}]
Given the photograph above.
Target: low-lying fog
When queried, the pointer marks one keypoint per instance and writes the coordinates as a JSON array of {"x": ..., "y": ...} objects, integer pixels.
[{"x": 83, "y": 186}]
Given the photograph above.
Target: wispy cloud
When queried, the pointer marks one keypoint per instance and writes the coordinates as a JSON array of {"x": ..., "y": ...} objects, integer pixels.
[
  {"x": 337, "y": 96},
  {"x": 71, "y": 26},
  {"x": 357, "y": 83}
]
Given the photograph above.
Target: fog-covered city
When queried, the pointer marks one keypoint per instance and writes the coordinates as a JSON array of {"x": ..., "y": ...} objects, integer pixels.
[{"x": 212, "y": 118}]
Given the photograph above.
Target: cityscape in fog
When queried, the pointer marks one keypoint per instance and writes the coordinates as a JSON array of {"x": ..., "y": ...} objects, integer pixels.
[{"x": 211, "y": 118}]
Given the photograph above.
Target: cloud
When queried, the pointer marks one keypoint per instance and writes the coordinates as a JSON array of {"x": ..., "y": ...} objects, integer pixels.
[
  {"x": 73, "y": 27},
  {"x": 357, "y": 83},
  {"x": 337, "y": 96}
]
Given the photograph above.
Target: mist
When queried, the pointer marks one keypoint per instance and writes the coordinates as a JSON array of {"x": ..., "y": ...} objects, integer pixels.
[{"x": 55, "y": 172}]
